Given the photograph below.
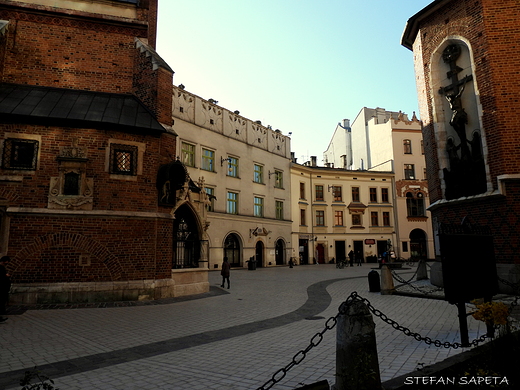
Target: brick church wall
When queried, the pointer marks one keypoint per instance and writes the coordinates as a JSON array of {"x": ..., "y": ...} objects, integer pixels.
[
  {"x": 127, "y": 235},
  {"x": 490, "y": 27}
]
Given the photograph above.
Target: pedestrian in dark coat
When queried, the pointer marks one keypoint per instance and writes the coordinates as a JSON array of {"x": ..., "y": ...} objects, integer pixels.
[
  {"x": 5, "y": 286},
  {"x": 351, "y": 258},
  {"x": 226, "y": 267}
]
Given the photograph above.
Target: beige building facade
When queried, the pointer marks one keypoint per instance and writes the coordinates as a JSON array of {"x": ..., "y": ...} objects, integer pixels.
[
  {"x": 244, "y": 167},
  {"x": 336, "y": 211},
  {"x": 382, "y": 140}
]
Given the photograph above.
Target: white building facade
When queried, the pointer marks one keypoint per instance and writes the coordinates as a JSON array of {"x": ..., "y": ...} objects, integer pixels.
[
  {"x": 245, "y": 169},
  {"x": 336, "y": 211},
  {"x": 389, "y": 141}
]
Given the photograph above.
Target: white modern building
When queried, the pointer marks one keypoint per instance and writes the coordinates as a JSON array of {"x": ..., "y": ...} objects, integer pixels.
[
  {"x": 245, "y": 168},
  {"x": 381, "y": 140}
]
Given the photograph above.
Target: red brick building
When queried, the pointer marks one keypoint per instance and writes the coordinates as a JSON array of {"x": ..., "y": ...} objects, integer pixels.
[
  {"x": 467, "y": 65},
  {"x": 93, "y": 205}
]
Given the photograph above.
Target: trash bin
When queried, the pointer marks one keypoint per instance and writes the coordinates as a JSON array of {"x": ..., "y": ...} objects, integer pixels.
[
  {"x": 374, "y": 283},
  {"x": 251, "y": 264}
]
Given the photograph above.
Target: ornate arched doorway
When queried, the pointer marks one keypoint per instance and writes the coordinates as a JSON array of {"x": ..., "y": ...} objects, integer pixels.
[
  {"x": 186, "y": 239},
  {"x": 280, "y": 252},
  {"x": 418, "y": 244},
  {"x": 259, "y": 254},
  {"x": 232, "y": 250}
]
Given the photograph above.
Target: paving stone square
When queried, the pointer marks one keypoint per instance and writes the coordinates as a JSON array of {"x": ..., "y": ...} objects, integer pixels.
[{"x": 229, "y": 339}]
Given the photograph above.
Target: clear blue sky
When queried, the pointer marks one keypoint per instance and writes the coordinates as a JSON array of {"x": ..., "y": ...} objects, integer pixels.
[{"x": 300, "y": 66}]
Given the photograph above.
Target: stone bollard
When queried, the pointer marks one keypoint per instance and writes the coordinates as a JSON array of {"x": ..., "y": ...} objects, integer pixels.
[
  {"x": 387, "y": 281},
  {"x": 357, "y": 365},
  {"x": 422, "y": 272}
]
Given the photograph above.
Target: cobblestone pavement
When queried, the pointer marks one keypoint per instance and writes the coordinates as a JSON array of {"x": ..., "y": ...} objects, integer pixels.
[{"x": 226, "y": 339}]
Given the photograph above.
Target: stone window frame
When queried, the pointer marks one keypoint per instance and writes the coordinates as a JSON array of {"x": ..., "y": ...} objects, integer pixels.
[
  {"x": 138, "y": 148},
  {"x": 339, "y": 218},
  {"x": 258, "y": 206},
  {"x": 232, "y": 202},
  {"x": 208, "y": 160},
  {"x": 258, "y": 173},
  {"x": 29, "y": 138},
  {"x": 279, "y": 209},
  {"x": 188, "y": 153},
  {"x": 320, "y": 218}
]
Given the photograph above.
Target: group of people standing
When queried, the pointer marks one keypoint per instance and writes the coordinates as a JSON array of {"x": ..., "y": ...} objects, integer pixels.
[{"x": 355, "y": 257}]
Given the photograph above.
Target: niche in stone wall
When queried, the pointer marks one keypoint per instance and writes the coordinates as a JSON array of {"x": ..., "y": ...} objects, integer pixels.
[{"x": 71, "y": 189}]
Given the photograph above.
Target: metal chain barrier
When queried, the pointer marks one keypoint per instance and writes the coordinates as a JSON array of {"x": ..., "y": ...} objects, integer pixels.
[
  {"x": 515, "y": 287},
  {"x": 331, "y": 323},
  {"x": 398, "y": 277}
]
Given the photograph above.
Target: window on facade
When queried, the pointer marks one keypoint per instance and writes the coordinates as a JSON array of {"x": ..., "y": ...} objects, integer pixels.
[
  {"x": 373, "y": 195},
  {"x": 386, "y": 218},
  {"x": 405, "y": 246},
  {"x": 211, "y": 194},
  {"x": 374, "y": 218},
  {"x": 278, "y": 179},
  {"x": 409, "y": 172},
  {"x": 336, "y": 193},
  {"x": 319, "y": 192},
  {"x": 232, "y": 167},
  {"x": 302, "y": 190},
  {"x": 303, "y": 221},
  {"x": 320, "y": 218},
  {"x": 279, "y": 209},
  {"x": 123, "y": 159},
  {"x": 258, "y": 173},
  {"x": 188, "y": 154},
  {"x": 384, "y": 195},
  {"x": 422, "y": 147},
  {"x": 259, "y": 207},
  {"x": 355, "y": 194},
  {"x": 338, "y": 218},
  {"x": 356, "y": 219},
  {"x": 208, "y": 160},
  {"x": 232, "y": 203},
  {"x": 71, "y": 182},
  {"x": 415, "y": 204},
  {"x": 407, "y": 145},
  {"x": 20, "y": 154}
]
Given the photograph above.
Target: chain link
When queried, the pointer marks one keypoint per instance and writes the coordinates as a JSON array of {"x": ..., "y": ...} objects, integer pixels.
[
  {"x": 332, "y": 322},
  {"x": 398, "y": 277}
]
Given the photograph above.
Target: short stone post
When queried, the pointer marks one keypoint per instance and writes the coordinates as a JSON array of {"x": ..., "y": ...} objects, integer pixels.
[
  {"x": 357, "y": 365},
  {"x": 387, "y": 281},
  {"x": 422, "y": 272}
]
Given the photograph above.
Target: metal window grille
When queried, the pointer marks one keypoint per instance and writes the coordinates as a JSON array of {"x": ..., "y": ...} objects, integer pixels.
[
  {"x": 20, "y": 154},
  {"x": 124, "y": 159},
  {"x": 187, "y": 247}
]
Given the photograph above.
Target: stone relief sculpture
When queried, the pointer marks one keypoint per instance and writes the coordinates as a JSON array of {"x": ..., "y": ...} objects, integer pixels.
[{"x": 466, "y": 173}]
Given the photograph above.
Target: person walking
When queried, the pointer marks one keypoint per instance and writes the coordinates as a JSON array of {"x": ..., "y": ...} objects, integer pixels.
[
  {"x": 359, "y": 258},
  {"x": 351, "y": 258},
  {"x": 226, "y": 267},
  {"x": 5, "y": 286}
]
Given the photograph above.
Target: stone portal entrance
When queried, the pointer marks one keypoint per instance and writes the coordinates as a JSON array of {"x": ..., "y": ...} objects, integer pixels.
[
  {"x": 259, "y": 254},
  {"x": 232, "y": 250},
  {"x": 418, "y": 244},
  {"x": 280, "y": 252},
  {"x": 186, "y": 241}
]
